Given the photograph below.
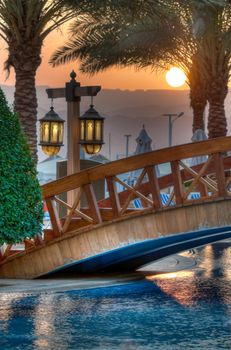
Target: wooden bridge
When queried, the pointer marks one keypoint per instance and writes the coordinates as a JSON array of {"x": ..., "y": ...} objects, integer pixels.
[{"x": 112, "y": 233}]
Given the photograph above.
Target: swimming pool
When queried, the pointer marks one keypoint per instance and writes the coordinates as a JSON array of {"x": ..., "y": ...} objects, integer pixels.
[{"x": 189, "y": 309}]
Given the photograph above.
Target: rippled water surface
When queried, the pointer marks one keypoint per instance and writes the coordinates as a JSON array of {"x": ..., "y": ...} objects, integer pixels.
[{"x": 184, "y": 310}]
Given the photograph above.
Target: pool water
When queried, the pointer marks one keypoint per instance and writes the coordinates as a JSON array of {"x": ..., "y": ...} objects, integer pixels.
[{"x": 189, "y": 309}]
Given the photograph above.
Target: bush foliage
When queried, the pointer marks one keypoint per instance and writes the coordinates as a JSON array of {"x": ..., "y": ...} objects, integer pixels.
[{"x": 21, "y": 208}]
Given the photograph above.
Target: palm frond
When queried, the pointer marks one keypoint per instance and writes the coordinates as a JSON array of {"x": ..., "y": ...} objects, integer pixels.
[
  {"x": 30, "y": 19},
  {"x": 105, "y": 36}
]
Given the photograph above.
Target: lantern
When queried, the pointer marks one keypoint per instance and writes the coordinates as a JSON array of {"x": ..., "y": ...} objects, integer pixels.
[
  {"x": 91, "y": 131},
  {"x": 51, "y": 132}
]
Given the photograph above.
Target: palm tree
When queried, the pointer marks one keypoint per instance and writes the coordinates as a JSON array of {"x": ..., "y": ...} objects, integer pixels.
[
  {"x": 215, "y": 50},
  {"x": 153, "y": 36},
  {"x": 24, "y": 24},
  {"x": 156, "y": 36}
]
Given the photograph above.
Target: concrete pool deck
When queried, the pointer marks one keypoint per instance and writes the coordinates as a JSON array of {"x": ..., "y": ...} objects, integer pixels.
[{"x": 171, "y": 264}]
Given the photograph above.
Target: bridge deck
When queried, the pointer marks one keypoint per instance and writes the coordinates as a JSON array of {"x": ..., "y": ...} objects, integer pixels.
[{"x": 111, "y": 224}]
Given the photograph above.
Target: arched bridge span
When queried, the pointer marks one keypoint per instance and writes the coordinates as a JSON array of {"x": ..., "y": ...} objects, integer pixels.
[{"x": 112, "y": 233}]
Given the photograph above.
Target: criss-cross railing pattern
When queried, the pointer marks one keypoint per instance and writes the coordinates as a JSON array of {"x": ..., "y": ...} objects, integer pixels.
[{"x": 182, "y": 185}]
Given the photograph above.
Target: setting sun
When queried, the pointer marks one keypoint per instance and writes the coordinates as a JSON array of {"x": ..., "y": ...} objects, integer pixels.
[{"x": 175, "y": 77}]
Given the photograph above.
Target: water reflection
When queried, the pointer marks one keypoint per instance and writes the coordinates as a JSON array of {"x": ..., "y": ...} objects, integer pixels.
[
  {"x": 209, "y": 281},
  {"x": 44, "y": 322},
  {"x": 5, "y": 309},
  {"x": 174, "y": 285},
  {"x": 17, "y": 322}
]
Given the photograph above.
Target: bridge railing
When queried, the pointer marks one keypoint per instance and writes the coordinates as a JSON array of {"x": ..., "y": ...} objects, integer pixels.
[
  {"x": 210, "y": 180},
  {"x": 183, "y": 185}
]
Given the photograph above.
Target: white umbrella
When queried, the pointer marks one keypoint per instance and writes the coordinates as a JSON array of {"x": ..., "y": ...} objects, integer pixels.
[
  {"x": 144, "y": 145},
  {"x": 199, "y": 135}
]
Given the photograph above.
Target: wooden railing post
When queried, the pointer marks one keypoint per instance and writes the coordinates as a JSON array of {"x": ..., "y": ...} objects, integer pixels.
[
  {"x": 202, "y": 189},
  {"x": 154, "y": 187},
  {"x": 70, "y": 214},
  {"x": 177, "y": 182},
  {"x": 1, "y": 255},
  {"x": 7, "y": 251},
  {"x": 92, "y": 203},
  {"x": 113, "y": 195},
  {"x": 38, "y": 239},
  {"x": 220, "y": 174},
  {"x": 56, "y": 225}
]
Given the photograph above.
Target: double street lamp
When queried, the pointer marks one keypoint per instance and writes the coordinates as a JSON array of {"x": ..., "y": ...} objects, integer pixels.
[{"x": 90, "y": 124}]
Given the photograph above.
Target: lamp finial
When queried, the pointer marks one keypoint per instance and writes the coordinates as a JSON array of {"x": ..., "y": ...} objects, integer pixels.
[{"x": 73, "y": 75}]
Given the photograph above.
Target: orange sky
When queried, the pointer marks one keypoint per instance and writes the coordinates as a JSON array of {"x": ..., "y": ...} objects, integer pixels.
[{"x": 111, "y": 79}]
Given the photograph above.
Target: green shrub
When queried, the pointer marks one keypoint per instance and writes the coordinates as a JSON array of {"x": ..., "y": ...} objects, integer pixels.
[{"x": 21, "y": 208}]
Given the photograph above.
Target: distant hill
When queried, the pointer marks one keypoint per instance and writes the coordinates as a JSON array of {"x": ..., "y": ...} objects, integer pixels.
[{"x": 126, "y": 111}]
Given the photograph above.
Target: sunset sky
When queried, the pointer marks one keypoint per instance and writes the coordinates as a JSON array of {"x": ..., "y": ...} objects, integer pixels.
[{"x": 111, "y": 79}]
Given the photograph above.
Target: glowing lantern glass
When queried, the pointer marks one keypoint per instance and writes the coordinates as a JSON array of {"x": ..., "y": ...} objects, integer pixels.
[
  {"x": 51, "y": 133},
  {"x": 91, "y": 131}
]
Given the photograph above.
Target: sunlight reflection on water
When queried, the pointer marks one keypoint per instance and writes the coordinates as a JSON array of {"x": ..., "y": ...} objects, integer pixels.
[{"x": 188, "y": 309}]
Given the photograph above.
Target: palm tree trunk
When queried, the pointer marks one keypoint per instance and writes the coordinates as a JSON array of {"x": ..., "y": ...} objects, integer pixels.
[
  {"x": 198, "y": 94},
  {"x": 217, "y": 123},
  {"x": 198, "y": 103},
  {"x": 25, "y": 104},
  {"x": 26, "y": 59}
]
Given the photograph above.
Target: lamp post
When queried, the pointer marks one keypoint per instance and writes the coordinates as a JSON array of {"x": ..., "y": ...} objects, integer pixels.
[
  {"x": 127, "y": 144},
  {"x": 172, "y": 117},
  {"x": 91, "y": 128},
  {"x": 73, "y": 92}
]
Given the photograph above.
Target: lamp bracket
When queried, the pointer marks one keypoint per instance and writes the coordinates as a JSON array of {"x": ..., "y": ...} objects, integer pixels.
[{"x": 73, "y": 92}]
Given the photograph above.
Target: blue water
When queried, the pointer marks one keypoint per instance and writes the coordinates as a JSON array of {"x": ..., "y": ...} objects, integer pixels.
[{"x": 184, "y": 310}]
